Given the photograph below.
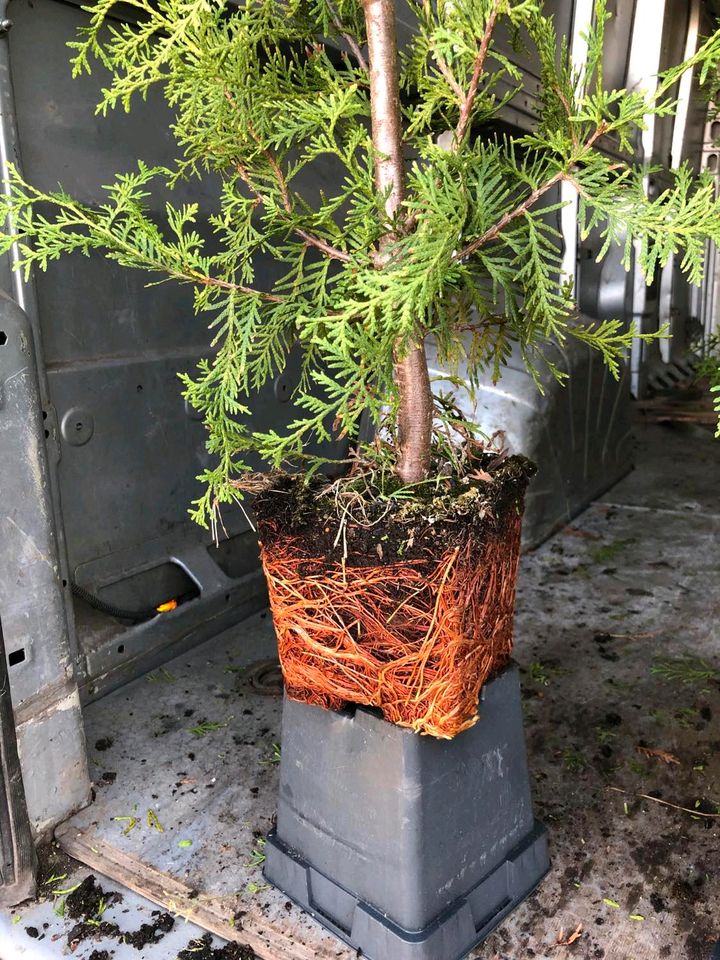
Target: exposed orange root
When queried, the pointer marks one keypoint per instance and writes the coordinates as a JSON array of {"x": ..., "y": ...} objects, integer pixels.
[{"x": 416, "y": 638}]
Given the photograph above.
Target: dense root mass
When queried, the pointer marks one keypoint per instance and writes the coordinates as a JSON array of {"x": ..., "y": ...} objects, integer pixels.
[{"x": 414, "y": 626}]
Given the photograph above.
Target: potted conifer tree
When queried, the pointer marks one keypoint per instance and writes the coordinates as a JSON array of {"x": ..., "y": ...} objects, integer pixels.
[{"x": 392, "y": 585}]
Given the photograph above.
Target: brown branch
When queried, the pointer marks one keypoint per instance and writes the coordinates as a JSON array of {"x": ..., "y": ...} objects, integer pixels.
[
  {"x": 479, "y": 66},
  {"x": 228, "y": 285},
  {"x": 466, "y": 100},
  {"x": 566, "y": 107},
  {"x": 309, "y": 238},
  {"x": 599, "y": 131},
  {"x": 492, "y": 232},
  {"x": 491, "y": 320},
  {"x": 347, "y": 37},
  {"x": 334, "y": 252},
  {"x": 579, "y": 189},
  {"x": 186, "y": 275}
]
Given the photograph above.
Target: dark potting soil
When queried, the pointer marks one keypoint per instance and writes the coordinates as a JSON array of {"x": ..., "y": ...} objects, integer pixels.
[
  {"x": 203, "y": 949},
  {"x": 87, "y": 903},
  {"x": 97, "y": 930},
  {"x": 379, "y": 530},
  {"x": 52, "y": 862},
  {"x": 150, "y": 932}
]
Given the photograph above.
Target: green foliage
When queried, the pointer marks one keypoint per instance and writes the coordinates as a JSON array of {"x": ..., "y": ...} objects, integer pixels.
[
  {"x": 573, "y": 760},
  {"x": 685, "y": 670},
  {"x": 709, "y": 370},
  {"x": 260, "y": 100},
  {"x": 607, "y": 552}
]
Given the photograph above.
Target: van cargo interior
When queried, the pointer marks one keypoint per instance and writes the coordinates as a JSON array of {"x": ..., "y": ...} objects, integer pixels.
[{"x": 141, "y": 655}]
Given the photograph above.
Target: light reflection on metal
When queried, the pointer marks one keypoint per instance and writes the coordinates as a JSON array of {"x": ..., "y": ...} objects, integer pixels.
[
  {"x": 669, "y": 278},
  {"x": 642, "y": 72},
  {"x": 582, "y": 19},
  {"x": 686, "y": 83}
]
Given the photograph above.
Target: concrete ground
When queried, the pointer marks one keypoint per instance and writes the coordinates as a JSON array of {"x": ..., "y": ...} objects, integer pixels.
[{"x": 617, "y": 636}]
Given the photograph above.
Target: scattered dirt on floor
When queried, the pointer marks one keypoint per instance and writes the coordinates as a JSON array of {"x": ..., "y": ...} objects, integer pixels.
[
  {"x": 91, "y": 930},
  {"x": 87, "y": 904},
  {"x": 89, "y": 900},
  {"x": 53, "y": 862},
  {"x": 203, "y": 949},
  {"x": 150, "y": 933}
]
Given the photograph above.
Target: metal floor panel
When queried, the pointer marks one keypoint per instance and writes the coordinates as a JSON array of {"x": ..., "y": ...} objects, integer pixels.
[{"x": 213, "y": 794}]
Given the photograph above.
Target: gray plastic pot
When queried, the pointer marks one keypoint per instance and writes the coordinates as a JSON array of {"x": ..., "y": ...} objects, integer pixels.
[{"x": 404, "y": 846}]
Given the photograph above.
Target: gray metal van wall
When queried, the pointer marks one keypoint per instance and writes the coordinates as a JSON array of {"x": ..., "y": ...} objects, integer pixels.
[{"x": 127, "y": 449}]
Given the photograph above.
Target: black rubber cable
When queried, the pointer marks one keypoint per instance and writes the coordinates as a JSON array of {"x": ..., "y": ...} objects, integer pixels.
[{"x": 134, "y": 616}]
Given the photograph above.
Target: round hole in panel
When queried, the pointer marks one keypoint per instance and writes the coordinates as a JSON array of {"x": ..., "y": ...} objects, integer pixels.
[{"x": 77, "y": 426}]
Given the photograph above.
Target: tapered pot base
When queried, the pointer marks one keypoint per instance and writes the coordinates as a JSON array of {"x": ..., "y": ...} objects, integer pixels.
[{"x": 404, "y": 846}]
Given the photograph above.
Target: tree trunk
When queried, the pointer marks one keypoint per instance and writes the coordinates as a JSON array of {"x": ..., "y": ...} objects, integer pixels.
[{"x": 411, "y": 371}]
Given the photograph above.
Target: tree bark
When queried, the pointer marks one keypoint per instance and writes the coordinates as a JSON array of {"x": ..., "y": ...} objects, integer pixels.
[{"x": 411, "y": 371}]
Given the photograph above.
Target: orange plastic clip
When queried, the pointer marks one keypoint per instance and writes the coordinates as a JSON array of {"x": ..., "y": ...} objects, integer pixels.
[{"x": 167, "y": 606}]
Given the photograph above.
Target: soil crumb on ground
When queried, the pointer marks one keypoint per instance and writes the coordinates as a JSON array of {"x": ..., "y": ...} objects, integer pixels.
[
  {"x": 150, "y": 932},
  {"x": 91, "y": 930},
  {"x": 203, "y": 949},
  {"x": 87, "y": 904},
  {"x": 53, "y": 864},
  {"x": 86, "y": 901}
]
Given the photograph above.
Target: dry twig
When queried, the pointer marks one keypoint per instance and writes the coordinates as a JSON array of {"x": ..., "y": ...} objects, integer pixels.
[{"x": 666, "y": 803}]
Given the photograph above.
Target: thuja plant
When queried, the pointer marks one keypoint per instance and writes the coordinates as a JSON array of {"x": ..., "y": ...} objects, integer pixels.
[
  {"x": 417, "y": 239},
  {"x": 435, "y": 228}
]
